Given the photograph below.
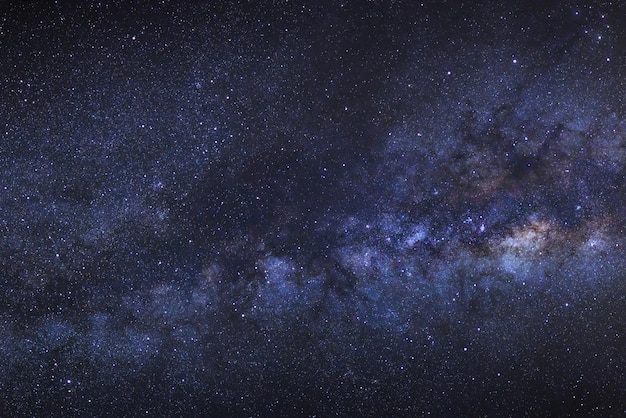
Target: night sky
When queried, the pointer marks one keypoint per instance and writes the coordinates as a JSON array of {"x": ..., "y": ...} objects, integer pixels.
[{"x": 322, "y": 208}]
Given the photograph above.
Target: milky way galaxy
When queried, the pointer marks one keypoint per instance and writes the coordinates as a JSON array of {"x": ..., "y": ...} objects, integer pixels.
[{"x": 379, "y": 208}]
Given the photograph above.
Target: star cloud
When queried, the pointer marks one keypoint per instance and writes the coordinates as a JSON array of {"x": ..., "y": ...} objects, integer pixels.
[{"x": 356, "y": 209}]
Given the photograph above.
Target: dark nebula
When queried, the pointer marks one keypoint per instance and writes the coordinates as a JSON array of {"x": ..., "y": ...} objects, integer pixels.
[{"x": 288, "y": 208}]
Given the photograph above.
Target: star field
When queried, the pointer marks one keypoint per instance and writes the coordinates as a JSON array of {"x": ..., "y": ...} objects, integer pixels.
[{"x": 331, "y": 209}]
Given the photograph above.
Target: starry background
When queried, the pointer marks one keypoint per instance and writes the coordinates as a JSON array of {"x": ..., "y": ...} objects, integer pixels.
[{"x": 289, "y": 208}]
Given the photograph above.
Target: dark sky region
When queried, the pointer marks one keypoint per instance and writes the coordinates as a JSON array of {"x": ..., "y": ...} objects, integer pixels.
[{"x": 312, "y": 208}]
